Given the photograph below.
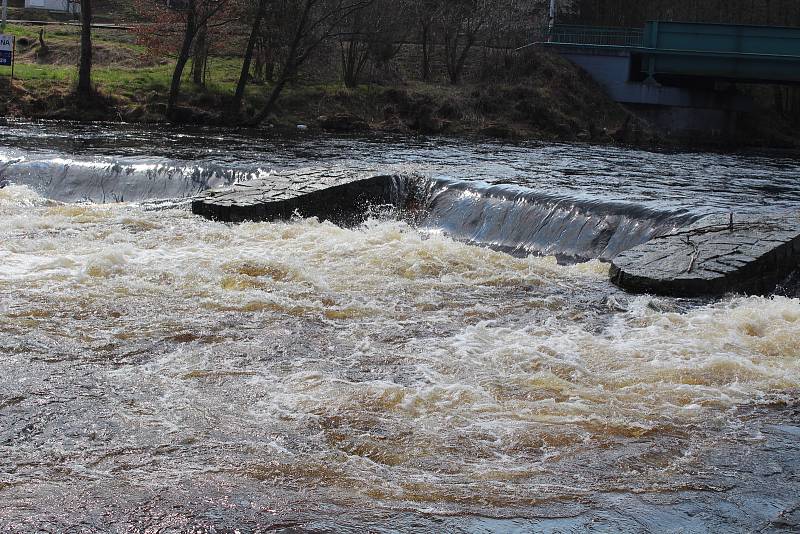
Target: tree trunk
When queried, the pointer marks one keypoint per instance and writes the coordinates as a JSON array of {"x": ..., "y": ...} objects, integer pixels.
[
  {"x": 85, "y": 66},
  {"x": 451, "y": 56},
  {"x": 454, "y": 59},
  {"x": 426, "y": 58},
  {"x": 259, "y": 61},
  {"x": 200, "y": 56},
  {"x": 248, "y": 56},
  {"x": 273, "y": 97},
  {"x": 458, "y": 68},
  {"x": 354, "y": 57},
  {"x": 43, "y": 48},
  {"x": 293, "y": 62},
  {"x": 183, "y": 58},
  {"x": 268, "y": 66}
]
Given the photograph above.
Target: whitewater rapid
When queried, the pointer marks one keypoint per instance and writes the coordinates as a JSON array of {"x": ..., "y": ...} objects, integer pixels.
[
  {"x": 376, "y": 362},
  {"x": 164, "y": 372}
]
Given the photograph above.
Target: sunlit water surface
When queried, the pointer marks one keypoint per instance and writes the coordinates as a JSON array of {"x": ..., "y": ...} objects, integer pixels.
[{"x": 162, "y": 372}]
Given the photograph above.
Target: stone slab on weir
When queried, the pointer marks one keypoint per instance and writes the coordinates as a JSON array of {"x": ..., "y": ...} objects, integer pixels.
[
  {"x": 713, "y": 256},
  {"x": 339, "y": 197}
]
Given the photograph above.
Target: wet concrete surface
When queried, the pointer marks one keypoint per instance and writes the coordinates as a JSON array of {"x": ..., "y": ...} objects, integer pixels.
[{"x": 714, "y": 256}]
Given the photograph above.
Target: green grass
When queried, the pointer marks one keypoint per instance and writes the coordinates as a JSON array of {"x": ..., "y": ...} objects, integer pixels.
[
  {"x": 55, "y": 33},
  {"x": 128, "y": 82},
  {"x": 29, "y": 72},
  {"x": 21, "y": 31},
  {"x": 135, "y": 84},
  {"x": 71, "y": 34},
  {"x": 222, "y": 76}
]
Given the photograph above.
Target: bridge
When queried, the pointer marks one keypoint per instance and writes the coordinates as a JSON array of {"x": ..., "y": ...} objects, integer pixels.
[{"x": 688, "y": 68}]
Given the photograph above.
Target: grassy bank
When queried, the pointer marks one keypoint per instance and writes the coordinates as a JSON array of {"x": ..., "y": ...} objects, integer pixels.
[
  {"x": 547, "y": 98},
  {"x": 555, "y": 101}
]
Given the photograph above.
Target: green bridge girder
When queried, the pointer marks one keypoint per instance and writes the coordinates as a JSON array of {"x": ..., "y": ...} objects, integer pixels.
[{"x": 682, "y": 49}]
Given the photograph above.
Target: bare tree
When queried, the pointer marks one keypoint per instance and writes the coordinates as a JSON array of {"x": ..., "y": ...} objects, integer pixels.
[
  {"x": 425, "y": 14},
  {"x": 460, "y": 22},
  {"x": 310, "y": 23},
  {"x": 200, "y": 56},
  {"x": 374, "y": 34},
  {"x": 354, "y": 47},
  {"x": 252, "y": 41},
  {"x": 392, "y": 23},
  {"x": 195, "y": 15}
]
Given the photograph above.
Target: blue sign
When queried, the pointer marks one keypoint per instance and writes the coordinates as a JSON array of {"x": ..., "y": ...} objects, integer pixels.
[{"x": 7, "y": 50}]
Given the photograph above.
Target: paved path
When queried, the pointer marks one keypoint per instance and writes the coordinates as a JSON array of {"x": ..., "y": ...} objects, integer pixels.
[{"x": 100, "y": 25}]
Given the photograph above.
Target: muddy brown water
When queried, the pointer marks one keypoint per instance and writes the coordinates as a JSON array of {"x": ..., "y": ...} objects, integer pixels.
[{"x": 164, "y": 373}]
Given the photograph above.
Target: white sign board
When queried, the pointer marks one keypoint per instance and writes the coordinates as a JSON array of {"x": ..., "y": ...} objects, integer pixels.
[{"x": 6, "y": 49}]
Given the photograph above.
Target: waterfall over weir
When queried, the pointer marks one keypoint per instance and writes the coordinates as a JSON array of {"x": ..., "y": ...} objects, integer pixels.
[
  {"x": 128, "y": 179},
  {"x": 515, "y": 219},
  {"x": 521, "y": 221},
  {"x": 378, "y": 374}
]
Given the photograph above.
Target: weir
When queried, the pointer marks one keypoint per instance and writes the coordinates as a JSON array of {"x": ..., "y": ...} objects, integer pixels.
[
  {"x": 509, "y": 218},
  {"x": 672, "y": 253},
  {"x": 336, "y": 197},
  {"x": 121, "y": 179},
  {"x": 521, "y": 221}
]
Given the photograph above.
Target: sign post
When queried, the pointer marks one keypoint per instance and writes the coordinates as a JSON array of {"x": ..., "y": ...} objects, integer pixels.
[
  {"x": 8, "y": 45},
  {"x": 551, "y": 19}
]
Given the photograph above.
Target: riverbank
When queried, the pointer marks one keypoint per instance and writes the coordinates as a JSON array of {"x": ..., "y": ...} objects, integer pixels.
[
  {"x": 549, "y": 100},
  {"x": 539, "y": 95}
]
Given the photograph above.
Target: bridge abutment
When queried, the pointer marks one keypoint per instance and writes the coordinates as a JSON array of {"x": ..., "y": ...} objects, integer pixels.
[
  {"x": 679, "y": 75},
  {"x": 675, "y": 110}
]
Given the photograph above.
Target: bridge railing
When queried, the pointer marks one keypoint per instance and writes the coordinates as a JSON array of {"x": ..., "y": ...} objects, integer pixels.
[{"x": 593, "y": 35}]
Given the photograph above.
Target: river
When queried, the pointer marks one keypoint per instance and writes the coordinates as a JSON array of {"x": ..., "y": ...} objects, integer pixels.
[{"x": 160, "y": 372}]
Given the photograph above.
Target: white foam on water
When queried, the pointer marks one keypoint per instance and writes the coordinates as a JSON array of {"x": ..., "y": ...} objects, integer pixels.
[
  {"x": 13, "y": 197},
  {"x": 402, "y": 364}
]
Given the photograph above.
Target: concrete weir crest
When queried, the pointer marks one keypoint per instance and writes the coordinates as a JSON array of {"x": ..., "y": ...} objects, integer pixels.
[{"x": 715, "y": 255}]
